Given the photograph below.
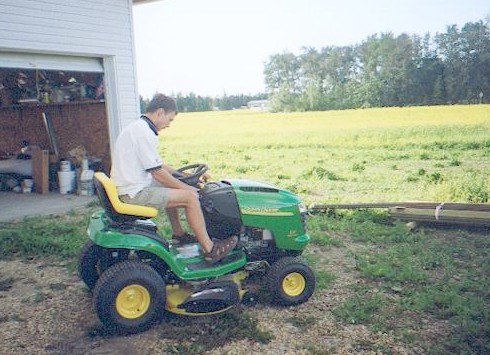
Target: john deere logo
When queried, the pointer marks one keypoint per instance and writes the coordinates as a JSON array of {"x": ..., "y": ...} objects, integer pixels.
[
  {"x": 293, "y": 233},
  {"x": 265, "y": 212}
]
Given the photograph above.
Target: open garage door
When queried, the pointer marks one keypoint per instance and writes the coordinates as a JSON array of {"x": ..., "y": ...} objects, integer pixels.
[{"x": 50, "y": 62}]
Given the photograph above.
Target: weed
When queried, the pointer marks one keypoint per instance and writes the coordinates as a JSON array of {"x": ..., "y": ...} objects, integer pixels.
[
  {"x": 358, "y": 167},
  {"x": 454, "y": 162},
  {"x": 324, "y": 279},
  {"x": 424, "y": 156},
  {"x": 302, "y": 322},
  {"x": 6, "y": 284},
  {"x": 412, "y": 178},
  {"x": 208, "y": 333},
  {"x": 435, "y": 178},
  {"x": 241, "y": 169},
  {"x": 322, "y": 173},
  {"x": 317, "y": 349},
  {"x": 58, "y": 287}
]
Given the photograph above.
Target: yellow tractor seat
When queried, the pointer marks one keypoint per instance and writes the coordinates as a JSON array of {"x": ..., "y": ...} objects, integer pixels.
[{"x": 117, "y": 210}]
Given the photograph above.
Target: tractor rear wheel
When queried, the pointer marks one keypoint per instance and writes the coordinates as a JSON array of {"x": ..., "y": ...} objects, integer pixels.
[
  {"x": 290, "y": 281},
  {"x": 129, "y": 297},
  {"x": 88, "y": 264}
]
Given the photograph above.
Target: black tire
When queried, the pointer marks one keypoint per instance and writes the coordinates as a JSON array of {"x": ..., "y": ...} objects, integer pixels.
[
  {"x": 88, "y": 264},
  {"x": 129, "y": 297},
  {"x": 290, "y": 281}
]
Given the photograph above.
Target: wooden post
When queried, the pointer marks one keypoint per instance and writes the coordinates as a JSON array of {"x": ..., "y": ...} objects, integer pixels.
[{"x": 40, "y": 170}]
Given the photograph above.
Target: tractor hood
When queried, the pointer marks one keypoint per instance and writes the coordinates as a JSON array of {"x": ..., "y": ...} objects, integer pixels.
[
  {"x": 258, "y": 198},
  {"x": 229, "y": 204}
]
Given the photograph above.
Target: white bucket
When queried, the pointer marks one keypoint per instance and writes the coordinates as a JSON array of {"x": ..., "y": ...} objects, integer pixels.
[
  {"x": 66, "y": 181},
  {"x": 27, "y": 185},
  {"x": 65, "y": 165}
]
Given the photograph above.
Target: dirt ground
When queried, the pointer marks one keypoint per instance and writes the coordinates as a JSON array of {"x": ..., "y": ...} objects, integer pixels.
[{"x": 48, "y": 310}]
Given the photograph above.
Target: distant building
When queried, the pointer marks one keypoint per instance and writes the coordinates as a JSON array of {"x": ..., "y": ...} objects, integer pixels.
[{"x": 258, "y": 105}]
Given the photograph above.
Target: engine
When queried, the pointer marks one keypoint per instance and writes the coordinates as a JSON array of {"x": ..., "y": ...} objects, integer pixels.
[
  {"x": 267, "y": 219},
  {"x": 220, "y": 209},
  {"x": 222, "y": 215}
]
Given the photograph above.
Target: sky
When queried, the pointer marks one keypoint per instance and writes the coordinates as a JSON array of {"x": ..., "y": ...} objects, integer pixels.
[{"x": 217, "y": 47}]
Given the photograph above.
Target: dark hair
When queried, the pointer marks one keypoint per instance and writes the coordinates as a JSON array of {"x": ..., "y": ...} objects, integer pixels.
[{"x": 162, "y": 101}]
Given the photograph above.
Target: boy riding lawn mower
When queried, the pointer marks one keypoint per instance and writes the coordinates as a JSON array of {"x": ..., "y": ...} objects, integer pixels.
[{"x": 136, "y": 274}]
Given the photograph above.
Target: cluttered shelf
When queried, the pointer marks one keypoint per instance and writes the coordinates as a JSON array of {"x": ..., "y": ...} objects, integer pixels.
[{"x": 29, "y": 105}]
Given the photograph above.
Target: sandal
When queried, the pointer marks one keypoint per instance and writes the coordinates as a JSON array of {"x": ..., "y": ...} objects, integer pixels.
[
  {"x": 221, "y": 248},
  {"x": 185, "y": 238}
]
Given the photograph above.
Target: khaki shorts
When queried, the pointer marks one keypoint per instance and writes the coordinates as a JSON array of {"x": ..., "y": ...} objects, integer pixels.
[{"x": 150, "y": 196}]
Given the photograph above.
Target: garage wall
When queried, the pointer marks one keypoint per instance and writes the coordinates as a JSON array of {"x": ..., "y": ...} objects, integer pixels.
[
  {"x": 92, "y": 28},
  {"x": 74, "y": 124}
]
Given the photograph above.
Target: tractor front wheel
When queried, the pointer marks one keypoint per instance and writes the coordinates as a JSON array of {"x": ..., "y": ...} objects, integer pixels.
[
  {"x": 290, "y": 281},
  {"x": 129, "y": 297}
]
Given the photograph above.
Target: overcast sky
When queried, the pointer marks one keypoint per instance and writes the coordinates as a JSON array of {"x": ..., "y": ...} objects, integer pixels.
[{"x": 212, "y": 47}]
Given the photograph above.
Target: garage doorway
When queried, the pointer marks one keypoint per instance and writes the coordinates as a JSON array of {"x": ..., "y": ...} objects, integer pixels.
[{"x": 56, "y": 105}]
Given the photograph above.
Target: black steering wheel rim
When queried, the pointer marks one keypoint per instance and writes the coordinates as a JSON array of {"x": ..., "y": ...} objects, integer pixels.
[{"x": 191, "y": 179}]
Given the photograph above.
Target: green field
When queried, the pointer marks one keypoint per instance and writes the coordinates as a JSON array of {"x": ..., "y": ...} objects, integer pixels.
[{"x": 437, "y": 153}]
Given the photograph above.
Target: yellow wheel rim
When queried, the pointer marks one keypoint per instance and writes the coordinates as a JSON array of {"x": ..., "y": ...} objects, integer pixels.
[
  {"x": 133, "y": 301},
  {"x": 293, "y": 284}
]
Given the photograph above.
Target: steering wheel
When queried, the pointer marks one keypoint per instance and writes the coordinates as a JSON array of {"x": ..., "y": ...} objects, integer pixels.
[{"x": 190, "y": 174}]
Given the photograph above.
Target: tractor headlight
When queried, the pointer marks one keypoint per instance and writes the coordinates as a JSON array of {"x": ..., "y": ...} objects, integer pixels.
[
  {"x": 303, "y": 212},
  {"x": 302, "y": 208}
]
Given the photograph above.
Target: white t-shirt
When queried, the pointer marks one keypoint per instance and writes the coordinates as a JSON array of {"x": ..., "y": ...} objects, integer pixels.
[{"x": 135, "y": 156}]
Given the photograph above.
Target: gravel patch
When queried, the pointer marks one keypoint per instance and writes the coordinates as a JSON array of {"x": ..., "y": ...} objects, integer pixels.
[{"x": 48, "y": 310}]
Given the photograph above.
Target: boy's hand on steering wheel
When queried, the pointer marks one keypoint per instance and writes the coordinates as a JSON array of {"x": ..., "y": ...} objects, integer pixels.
[{"x": 205, "y": 177}]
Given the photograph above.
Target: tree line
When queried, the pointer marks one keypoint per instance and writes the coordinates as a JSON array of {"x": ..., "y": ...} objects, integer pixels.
[
  {"x": 385, "y": 70},
  {"x": 194, "y": 103}
]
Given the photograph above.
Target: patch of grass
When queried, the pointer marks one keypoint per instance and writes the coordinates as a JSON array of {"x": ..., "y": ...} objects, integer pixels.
[
  {"x": 433, "y": 273},
  {"x": 397, "y": 263},
  {"x": 358, "y": 309},
  {"x": 317, "y": 228},
  {"x": 43, "y": 236},
  {"x": 323, "y": 279}
]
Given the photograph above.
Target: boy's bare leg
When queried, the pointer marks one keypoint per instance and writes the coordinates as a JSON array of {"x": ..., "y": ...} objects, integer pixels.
[
  {"x": 190, "y": 201},
  {"x": 173, "y": 216}
]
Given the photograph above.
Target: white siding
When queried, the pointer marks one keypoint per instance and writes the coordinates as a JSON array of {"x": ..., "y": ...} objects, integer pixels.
[{"x": 91, "y": 28}]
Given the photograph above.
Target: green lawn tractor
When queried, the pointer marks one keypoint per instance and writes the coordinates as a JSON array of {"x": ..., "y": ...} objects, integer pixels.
[{"x": 136, "y": 274}]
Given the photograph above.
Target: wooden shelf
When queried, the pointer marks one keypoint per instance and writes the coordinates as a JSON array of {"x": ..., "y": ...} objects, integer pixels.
[{"x": 30, "y": 105}]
